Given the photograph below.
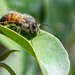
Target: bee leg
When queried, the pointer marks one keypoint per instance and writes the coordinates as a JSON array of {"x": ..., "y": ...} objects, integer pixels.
[
  {"x": 18, "y": 29},
  {"x": 2, "y": 23},
  {"x": 5, "y": 23},
  {"x": 40, "y": 33},
  {"x": 8, "y": 26}
]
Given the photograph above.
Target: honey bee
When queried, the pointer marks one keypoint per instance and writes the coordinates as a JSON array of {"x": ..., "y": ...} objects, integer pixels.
[{"x": 22, "y": 21}]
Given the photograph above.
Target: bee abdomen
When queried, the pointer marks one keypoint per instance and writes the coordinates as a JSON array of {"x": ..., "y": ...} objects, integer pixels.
[{"x": 6, "y": 19}]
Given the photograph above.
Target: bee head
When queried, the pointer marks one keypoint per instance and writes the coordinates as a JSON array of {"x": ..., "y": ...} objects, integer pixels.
[
  {"x": 34, "y": 28},
  {"x": 30, "y": 25}
]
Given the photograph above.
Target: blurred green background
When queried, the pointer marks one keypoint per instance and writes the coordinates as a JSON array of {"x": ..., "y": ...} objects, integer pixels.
[{"x": 58, "y": 15}]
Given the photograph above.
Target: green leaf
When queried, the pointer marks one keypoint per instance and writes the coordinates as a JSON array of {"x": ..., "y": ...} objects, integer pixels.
[
  {"x": 48, "y": 50},
  {"x": 6, "y": 54},
  {"x": 3, "y": 5},
  {"x": 17, "y": 38},
  {"x": 51, "y": 55},
  {"x": 7, "y": 68}
]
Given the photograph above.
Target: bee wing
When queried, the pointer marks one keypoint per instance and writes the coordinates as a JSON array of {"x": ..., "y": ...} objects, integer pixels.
[
  {"x": 28, "y": 18},
  {"x": 6, "y": 11},
  {"x": 10, "y": 10},
  {"x": 3, "y": 12}
]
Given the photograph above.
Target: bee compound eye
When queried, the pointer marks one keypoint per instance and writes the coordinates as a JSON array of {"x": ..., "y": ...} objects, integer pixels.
[
  {"x": 28, "y": 27},
  {"x": 34, "y": 26}
]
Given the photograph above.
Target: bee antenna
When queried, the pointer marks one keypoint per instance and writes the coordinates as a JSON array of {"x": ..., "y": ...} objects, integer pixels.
[
  {"x": 7, "y": 9},
  {"x": 44, "y": 24}
]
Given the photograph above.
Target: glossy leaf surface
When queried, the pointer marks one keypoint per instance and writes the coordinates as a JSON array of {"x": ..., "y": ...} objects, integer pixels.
[{"x": 47, "y": 49}]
